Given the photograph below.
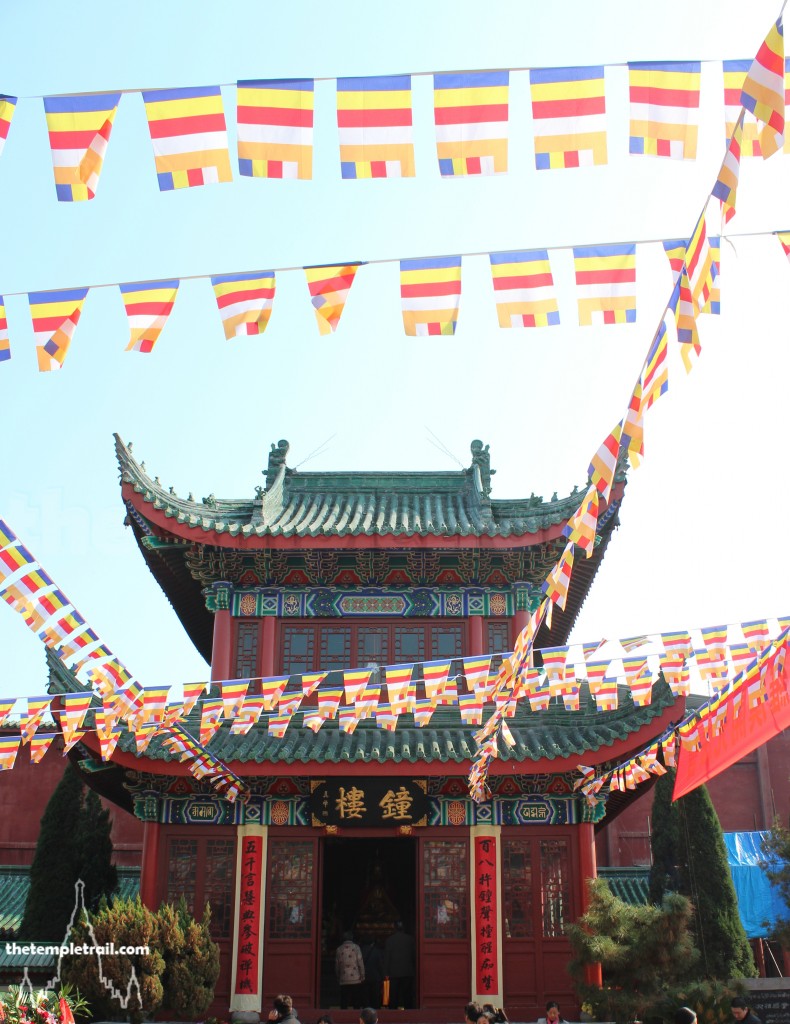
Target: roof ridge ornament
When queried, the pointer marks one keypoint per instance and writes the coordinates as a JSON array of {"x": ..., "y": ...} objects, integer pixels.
[
  {"x": 277, "y": 457},
  {"x": 481, "y": 461}
]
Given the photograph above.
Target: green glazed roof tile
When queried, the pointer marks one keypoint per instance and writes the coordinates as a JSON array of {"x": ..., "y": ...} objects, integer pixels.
[
  {"x": 631, "y": 885},
  {"x": 553, "y": 734},
  {"x": 400, "y": 504}
]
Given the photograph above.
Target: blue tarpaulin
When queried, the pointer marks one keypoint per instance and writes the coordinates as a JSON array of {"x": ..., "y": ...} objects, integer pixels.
[{"x": 759, "y": 902}]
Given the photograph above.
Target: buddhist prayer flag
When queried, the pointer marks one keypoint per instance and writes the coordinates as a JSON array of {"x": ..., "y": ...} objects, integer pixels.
[
  {"x": 430, "y": 294},
  {"x": 650, "y": 762},
  {"x": 581, "y": 528},
  {"x": 638, "y": 678},
  {"x": 602, "y": 686},
  {"x": 244, "y": 301},
  {"x": 329, "y": 288},
  {"x": 148, "y": 305},
  {"x": 233, "y": 693},
  {"x": 37, "y": 707},
  {"x": 755, "y": 633},
  {"x": 476, "y": 670},
  {"x": 654, "y": 377},
  {"x": 606, "y": 283},
  {"x": 5, "y": 343},
  {"x": 40, "y": 744},
  {"x": 272, "y": 688},
  {"x": 669, "y": 750},
  {"x": 727, "y": 182},
  {"x": 763, "y": 91},
  {"x": 187, "y": 128},
  {"x": 210, "y": 718},
  {"x": 7, "y": 108},
  {"x": 311, "y": 681},
  {"x": 604, "y": 463},
  {"x": 6, "y": 704},
  {"x": 556, "y": 584},
  {"x": 664, "y": 100},
  {"x": 401, "y": 691},
  {"x": 569, "y": 113},
  {"x": 734, "y": 78},
  {"x": 247, "y": 717},
  {"x": 9, "y": 747},
  {"x": 681, "y": 304},
  {"x": 471, "y": 113},
  {"x": 275, "y": 128},
  {"x": 700, "y": 265},
  {"x": 435, "y": 675},
  {"x": 375, "y": 127},
  {"x": 632, "y": 441},
  {"x": 192, "y": 691},
  {"x": 524, "y": 289},
  {"x": 55, "y": 317},
  {"x": 784, "y": 239},
  {"x": 79, "y": 131},
  {"x": 354, "y": 682}
]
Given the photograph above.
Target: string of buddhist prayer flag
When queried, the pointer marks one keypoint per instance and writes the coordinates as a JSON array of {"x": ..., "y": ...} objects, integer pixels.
[
  {"x": 471, "y": 115},
  {"x": 606, "y": 283},
  {"x": 148, "y": 305},
  {"x": 55, "y": 316},
  {"x": 5, "y": 342},
  {"x": 329, "y": 288},
  {"x": 188, "y": 134},
  {"x": 374, "y": 122},
  {"x": 275, "y": 128},
  {"x": 763, "y": 90},
  {"x": 569, "y": 112},
  {"x": 734, "y": 72},
  {"x": 430, "y": 295},
  {"x": 7, "y": 109},
  {"x": 79, "y": 130},
  {"x": 524, "y": 289},
  {"x": 244, "y": 301},
  {"x": 664, "y": 100}
]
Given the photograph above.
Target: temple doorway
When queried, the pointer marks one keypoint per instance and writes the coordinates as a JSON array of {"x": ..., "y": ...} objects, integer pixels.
[{"x": 367, "y": 885}]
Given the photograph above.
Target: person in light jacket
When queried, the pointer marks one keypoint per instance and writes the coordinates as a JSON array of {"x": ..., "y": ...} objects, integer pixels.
[{"x": 350, "y": 971}]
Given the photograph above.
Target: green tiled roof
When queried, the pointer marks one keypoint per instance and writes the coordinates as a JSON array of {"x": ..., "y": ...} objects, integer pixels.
[
  {"x": 631, "y": 885},
  {"x": 554, "y": 734},
  {"x": 14, "y": 886},
  {"x": 340, "y": 504}
]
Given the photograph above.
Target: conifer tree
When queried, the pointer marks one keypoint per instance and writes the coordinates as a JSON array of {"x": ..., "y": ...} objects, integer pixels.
[
  {"x": 690, "y": 856},
  {"x": 94, "y": 844},
  {"x": 55, "y": 867}
]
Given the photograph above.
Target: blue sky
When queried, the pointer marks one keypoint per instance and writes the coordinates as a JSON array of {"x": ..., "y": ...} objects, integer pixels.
[{"x": 700, "y": 541}]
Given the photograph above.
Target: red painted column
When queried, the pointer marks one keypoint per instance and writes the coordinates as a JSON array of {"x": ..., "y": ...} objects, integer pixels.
[
  {"x": 267, "y": 645},
  {"x": 475, "y": 626},
  {"x": 152, "y": 836},
  {"x": 589, "y": 869},
  {"x": 521, "y": 612},
  {"x": 221, "y": 648}
]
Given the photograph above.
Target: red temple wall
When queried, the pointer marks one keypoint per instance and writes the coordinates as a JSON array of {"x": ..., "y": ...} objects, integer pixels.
[
  {"x": 746, "y": 796},
  {"x": 24, "y": 793}
]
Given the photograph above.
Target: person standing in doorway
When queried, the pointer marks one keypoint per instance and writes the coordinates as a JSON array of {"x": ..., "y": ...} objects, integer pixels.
[
  {"x": 350, "y": 971},
  {"x": 399, "y": 964}
]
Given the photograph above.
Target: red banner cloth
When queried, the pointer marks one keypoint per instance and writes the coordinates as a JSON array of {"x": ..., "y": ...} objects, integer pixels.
[
  {"x": 486, "y": 940},
  {"x": 753, "y": 726},
  {"x": 247, "y": 963}
]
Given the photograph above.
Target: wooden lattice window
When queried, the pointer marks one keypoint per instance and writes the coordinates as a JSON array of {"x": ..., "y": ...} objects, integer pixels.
[
  {"x": 372, "y": 645},
  {"x": 298, "y": 645},
  {"x": 446, "y": 642},
  {"x": 218, "y": 885},
  {"x": 182, "y": 871},
  {"x": 446, "y": 889},
  {"x": 247, "y": 634},
  {"x": 555, "y": 888},
  {"x": 517, "y": 888},
  {"x": 290, "y": 890},
  {"x": 409, "y": 643},
  {"x": 498, "y": 637},
  {"x": 335, "y": 647}
]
